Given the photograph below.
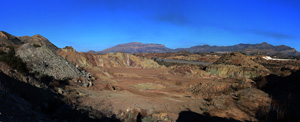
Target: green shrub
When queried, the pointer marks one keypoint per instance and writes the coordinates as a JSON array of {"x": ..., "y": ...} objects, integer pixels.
[
  {"x": 36, "y": 73},
  {"x": 178, "y": 83},
  {"x": 168, "y": 64},
  {"x": 13, "y": 61},
  {"x": 2, "y": 52},
  {"x": 36, "y": 45},
  {"x": 46, "y": 78}
]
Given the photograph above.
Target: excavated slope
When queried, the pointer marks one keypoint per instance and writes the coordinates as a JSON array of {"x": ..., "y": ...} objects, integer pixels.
[{"x": 46, "y": 61}]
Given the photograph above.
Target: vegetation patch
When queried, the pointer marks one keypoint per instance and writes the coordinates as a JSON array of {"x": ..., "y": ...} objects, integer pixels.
[
  {"x": 36, "y": 45},
  {"x": 167, "y": 64},
  {"x": 13, "y": 61},
  {"x": 148, "y": 86}
]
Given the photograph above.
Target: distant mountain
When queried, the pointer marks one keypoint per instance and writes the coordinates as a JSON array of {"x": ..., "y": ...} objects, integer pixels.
[
  {"x": 137, "y": 47},
  {"x": 92, "y": 51},
  {"x": 264, "y": 48}
]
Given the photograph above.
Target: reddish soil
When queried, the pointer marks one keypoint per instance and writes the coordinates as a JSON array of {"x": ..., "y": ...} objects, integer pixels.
[
  {"x": 153, "y": 90},
  {"x": 157, "y": 93}
]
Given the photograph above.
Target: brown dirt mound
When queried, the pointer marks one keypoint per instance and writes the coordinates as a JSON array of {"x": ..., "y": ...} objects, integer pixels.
[{"x": 237, "y": 59}]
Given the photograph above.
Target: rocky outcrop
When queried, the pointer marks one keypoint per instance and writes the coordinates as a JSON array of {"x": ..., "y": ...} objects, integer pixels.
[
  {"x": 38, "y": 40},
  {"x": 45, "y": 61}
]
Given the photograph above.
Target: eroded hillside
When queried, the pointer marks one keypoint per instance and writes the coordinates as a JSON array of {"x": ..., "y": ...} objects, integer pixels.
[{"x": 39, "y": 84}]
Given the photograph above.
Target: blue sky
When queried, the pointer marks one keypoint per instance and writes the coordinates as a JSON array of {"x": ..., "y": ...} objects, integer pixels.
[{"x": 99, "y": 24}]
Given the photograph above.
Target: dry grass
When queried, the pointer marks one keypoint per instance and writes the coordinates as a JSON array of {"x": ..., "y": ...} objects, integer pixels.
[{"x": 149, "y": 86}]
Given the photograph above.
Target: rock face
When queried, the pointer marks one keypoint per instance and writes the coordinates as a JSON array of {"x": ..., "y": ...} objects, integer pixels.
[
  {"x": 237, "y": 65},
  {"x": 8, "y": 39},
  {"x": 39, "y": 40},
  {"x": 44, "y": 60},
  {"x": 137, "y": 47}
]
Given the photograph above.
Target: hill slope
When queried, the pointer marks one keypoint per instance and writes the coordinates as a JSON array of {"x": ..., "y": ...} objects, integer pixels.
[
  {"x": 8, "y": 39},
  {"x": 38, "y": 39}
]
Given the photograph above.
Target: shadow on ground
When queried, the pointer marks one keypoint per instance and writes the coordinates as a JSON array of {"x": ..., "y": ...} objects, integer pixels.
[
  {"x": 189, "y": 116},
  {"x": 48, "y": 103},
  {"x": 285, "y": 92}
]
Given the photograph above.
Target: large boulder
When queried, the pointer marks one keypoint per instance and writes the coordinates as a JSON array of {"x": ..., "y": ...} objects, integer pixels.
[{"x": 46, "y": 61}]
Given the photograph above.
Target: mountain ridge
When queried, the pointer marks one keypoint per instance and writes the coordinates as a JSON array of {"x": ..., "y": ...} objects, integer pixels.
[{"x": 265, "y": 48}]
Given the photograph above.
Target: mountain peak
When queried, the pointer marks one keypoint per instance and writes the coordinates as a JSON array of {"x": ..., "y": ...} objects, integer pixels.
[
  {"x": 265, "y": 43},
  {"x": 135, "y": 43},
  {"x": 37, "y": 36},
  {"x": 91, "y": 51}
]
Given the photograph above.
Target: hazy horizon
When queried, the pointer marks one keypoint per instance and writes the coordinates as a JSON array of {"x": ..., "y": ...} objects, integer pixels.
[{"x": 97, "y": 25}]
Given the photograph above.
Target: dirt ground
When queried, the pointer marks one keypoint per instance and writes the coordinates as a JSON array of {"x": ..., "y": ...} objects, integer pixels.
[{"x": 151, "y": 90}]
